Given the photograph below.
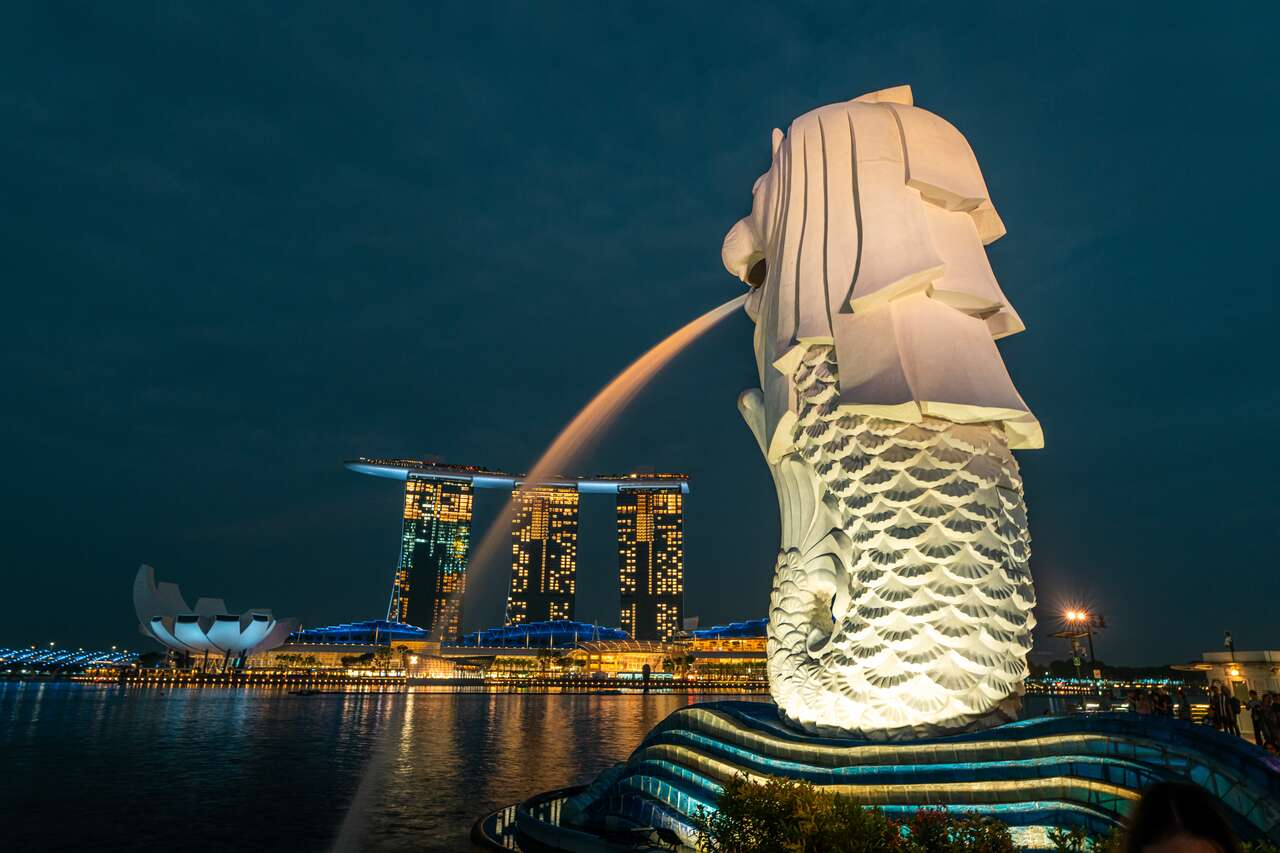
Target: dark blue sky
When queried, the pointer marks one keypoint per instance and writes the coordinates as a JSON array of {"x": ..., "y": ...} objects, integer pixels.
[{"x": 240, "y": 246}]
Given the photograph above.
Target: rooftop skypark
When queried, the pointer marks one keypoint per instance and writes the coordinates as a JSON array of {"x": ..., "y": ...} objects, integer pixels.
[{"x": 487, "y": 478}]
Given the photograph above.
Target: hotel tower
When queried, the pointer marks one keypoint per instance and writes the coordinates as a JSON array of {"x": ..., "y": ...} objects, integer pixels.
[
  {"x": 544, "y": 554},
  {"x": 651, "y": 561},
  {"x": 435, "y": 539}
]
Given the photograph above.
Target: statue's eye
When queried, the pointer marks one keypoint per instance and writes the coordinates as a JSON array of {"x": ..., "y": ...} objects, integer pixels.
[{"x": 755, "y": 277}]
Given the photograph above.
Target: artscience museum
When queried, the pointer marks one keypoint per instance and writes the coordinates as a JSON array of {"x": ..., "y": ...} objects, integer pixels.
[{"x": 206, "y": 630}]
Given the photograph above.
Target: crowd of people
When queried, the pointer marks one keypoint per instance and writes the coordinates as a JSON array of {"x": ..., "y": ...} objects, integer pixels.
[
  {"x": 1158, "y": 702},
  {"x": 1264, "y": 713},
  {"x": 1224, "y": 710}
]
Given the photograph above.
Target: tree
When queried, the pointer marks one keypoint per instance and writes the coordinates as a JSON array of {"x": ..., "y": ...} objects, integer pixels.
[{"x": 546, "y": 658}]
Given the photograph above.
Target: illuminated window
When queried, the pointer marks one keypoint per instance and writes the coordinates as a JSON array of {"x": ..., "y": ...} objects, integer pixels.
[
  {"x": 434, "y": 547},
  {"x": 651, "y": 561},
  {"x": 544, "y": 549}
]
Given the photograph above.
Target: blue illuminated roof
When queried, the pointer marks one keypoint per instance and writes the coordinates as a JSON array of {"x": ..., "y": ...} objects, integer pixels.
[
  {"x": 51, "y": 658},
  {"x": 374, "y": 632},
  {"x": 734, "y": 630},
  {"x": 561, "y": 633}
]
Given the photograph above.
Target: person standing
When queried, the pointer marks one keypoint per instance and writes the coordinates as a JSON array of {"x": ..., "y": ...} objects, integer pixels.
[
  {"x": 1233, "y": 712},
  {"x": 1271, "y": 717},
  {"x": 1257, "y": 717},
  {"x": 1184, "y": 705},
  {"x": 1216, "y": 718},
  {"x": 1228, "y": 709}
]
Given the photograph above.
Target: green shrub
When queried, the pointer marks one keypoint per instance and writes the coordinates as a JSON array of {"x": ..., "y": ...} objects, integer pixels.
[
  {"x": 936, "y": 829},
  {"x": 789, "y": 816},
  {"x": 1076, "y": 840}
]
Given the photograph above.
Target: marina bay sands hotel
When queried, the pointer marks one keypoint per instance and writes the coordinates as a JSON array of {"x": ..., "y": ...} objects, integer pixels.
[{"x": 431, "y": 577}]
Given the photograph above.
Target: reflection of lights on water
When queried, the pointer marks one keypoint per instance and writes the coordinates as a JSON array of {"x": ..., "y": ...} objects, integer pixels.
[{"x": 353, "y": 823}]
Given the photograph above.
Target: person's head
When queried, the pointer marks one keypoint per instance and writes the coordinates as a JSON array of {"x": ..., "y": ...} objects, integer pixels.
[
  {"x": 1253, "y": 694},
  {"x": 1178, "y": 817}
]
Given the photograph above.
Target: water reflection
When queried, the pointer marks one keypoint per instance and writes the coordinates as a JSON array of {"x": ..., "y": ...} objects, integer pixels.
[
  {"x": 110, "y": 768},
  {"x": 459, "y": 755}
]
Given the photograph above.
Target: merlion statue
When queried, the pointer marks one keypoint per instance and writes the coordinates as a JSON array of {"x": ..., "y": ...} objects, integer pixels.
[{"x": 902, "y": 601}]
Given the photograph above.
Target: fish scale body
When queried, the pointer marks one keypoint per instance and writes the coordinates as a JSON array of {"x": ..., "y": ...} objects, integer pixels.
[{"x": 931, "y": 617}]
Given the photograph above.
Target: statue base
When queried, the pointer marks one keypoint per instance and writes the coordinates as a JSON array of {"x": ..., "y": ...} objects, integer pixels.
[{"x": 1069, "y": 771}]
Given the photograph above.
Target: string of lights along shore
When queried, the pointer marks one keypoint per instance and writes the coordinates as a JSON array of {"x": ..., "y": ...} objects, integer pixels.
[{"x": 431, "y": 577}]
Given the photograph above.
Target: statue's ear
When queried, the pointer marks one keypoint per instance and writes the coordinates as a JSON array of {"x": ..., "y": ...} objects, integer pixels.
[
  {"x": 741, "y": 249},
  {"x": 777, "y": 142}
]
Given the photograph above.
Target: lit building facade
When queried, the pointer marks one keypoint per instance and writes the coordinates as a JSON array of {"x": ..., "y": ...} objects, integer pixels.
[
  {"x": 544, "y": 554},
  {"x": 436, "y": 532},
  {"x": 651, "y": 561},
  {"x": 435, "y": 540}
]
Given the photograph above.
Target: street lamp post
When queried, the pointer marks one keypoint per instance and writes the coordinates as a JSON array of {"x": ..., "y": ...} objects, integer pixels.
[{"x": 1081, "y": 623}]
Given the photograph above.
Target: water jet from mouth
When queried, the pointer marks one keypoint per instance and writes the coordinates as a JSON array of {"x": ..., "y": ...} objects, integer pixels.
[{"x": 588, "y": 425}]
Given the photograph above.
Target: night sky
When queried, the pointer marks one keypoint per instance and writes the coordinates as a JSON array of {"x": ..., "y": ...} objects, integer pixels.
[{"x": 241, "y": 246}]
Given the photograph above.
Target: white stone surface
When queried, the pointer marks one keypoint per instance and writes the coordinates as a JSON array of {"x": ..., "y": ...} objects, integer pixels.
[{"x": 902, "y": 600}]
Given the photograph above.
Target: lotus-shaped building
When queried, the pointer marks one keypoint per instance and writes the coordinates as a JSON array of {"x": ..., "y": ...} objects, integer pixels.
[{"x": 207, "y": 628}]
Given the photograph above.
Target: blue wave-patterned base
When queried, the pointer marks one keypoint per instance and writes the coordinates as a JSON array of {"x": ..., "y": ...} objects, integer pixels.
[{"x": 1085, "y": 771}]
